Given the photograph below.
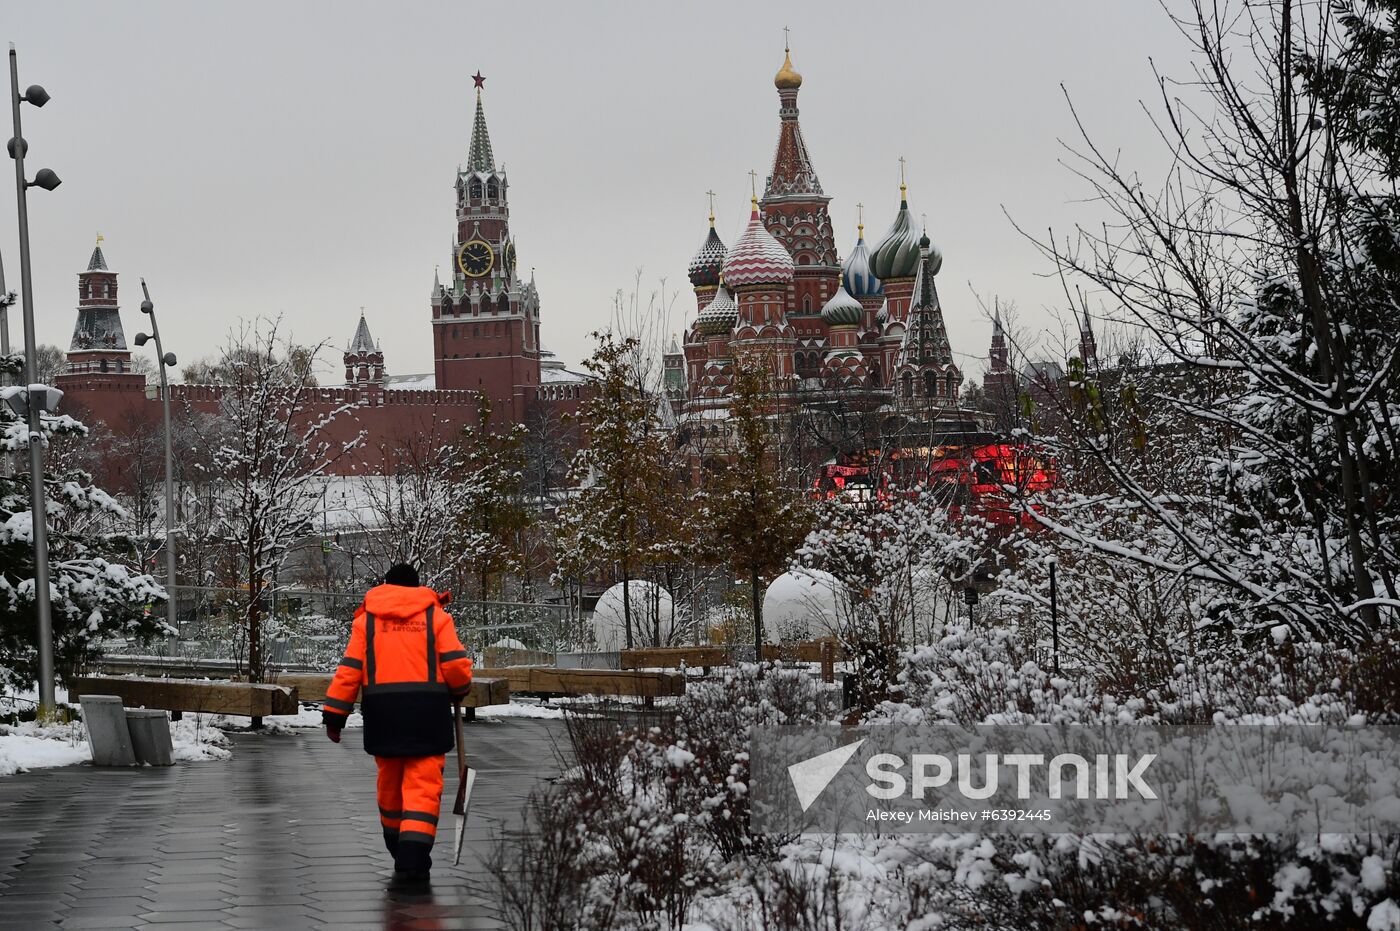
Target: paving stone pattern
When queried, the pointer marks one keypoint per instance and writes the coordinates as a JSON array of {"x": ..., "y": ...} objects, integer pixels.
[{"x": 283, "y": 836}]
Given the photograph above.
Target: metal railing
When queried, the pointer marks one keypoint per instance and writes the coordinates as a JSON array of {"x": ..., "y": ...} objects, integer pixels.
[{"x": 309, "y": 629}]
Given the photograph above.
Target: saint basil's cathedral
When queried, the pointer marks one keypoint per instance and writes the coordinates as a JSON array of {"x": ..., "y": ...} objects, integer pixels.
[{"x": 872, "y": 323}]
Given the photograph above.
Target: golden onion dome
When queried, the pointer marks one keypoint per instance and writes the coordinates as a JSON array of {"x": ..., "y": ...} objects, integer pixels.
[{"x": 787, "y": 78}]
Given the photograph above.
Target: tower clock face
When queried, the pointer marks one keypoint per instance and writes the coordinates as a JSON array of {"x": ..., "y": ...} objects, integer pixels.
[{"x": 475, "y": 258}]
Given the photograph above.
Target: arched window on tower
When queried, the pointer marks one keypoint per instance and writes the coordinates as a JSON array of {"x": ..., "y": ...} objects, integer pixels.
[
  {"x": 875, "y": 374},
  {"x": 907, "y": 382},
  {"x": 930, "y": 384},
  {"x": 807, "y": 303},
  {"x": 493, "y": 190},
  {"x": 475, "y": 189},
  {"x": 106, "y": 289},
  {"x": 505, "y": 304},
  {"x": 103, "y": 366}
]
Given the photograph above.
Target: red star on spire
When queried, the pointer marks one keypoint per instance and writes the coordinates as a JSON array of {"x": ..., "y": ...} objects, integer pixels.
[{"x": 480, "y": 81}]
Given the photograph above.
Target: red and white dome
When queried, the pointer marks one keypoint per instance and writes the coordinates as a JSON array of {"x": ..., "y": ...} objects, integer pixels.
[{"x": 757, "y": 258}]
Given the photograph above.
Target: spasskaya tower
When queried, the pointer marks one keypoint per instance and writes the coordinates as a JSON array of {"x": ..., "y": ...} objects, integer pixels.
[{"x": 486, "y": 324}]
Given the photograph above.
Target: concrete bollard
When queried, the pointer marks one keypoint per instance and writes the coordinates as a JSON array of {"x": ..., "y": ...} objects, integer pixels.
[
  {"x": 150, "y": 736},
  {"x": 108, "y": 735}
]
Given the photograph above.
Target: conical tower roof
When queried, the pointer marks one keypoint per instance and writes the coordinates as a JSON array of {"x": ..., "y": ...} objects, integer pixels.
[
  {"x": 98, "y": 262},
  {"x": 792, "y": 173},
  {"x": 362, "y": 341},
  {"x": 479, "y": 157}
]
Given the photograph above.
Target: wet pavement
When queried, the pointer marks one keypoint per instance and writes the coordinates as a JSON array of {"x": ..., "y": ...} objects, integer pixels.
[{"x": 285, "y": 835}]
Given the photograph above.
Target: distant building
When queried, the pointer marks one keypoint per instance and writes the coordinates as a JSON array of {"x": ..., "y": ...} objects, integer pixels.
[
  {"x": 485, "y": 325},
  {"x": 871, "y": 324}
]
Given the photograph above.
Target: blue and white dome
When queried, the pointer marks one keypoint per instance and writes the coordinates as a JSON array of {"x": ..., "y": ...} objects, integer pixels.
[
  {"x": 842, "y": 309},
  {"x": 856, "y": 276}
]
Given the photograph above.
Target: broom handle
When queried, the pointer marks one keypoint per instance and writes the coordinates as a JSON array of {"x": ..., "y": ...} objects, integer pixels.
[{"x": 461, "y": 757}]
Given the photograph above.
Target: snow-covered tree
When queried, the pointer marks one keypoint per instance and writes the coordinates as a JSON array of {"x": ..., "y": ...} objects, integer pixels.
[
  {"x": 754, "y": 511},
  {"x": 492, "y": 516},
  {"x": 613, "y": 522},
  {"x": 272, "y": 458},
  {"x": 1253, "y": 450},
  {"x": 408, "y": 510},
  {"x": 96, "y": 588}
]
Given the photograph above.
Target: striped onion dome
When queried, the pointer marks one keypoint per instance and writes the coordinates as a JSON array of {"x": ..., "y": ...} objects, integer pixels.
[
  {"x": 897, "y": 255},
  {"x": 705, "y": 266},
  {"x": 720, "y": 315},
  {"x": 842, "y": 309},
  {"x": 757, "y": 258},
  {"x": 856, "y": 275}
]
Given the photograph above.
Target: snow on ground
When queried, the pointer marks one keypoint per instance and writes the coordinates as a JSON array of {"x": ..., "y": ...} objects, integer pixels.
[
  {"x": 29, "y": 746},
  {"x": 519, "y": 709},
  {"x": 311, "y": 717},
  {"x": 198, "y": 741},
  {"x": 283, "y": 723}
]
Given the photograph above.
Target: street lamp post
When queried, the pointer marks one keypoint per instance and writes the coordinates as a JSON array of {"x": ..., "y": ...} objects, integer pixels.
[
  {"x": 6, "y": 299},
  {"x": 1054, "y": 615},
  {"x": 165, "y": 360},
  {"x": 37, "y": 396}
]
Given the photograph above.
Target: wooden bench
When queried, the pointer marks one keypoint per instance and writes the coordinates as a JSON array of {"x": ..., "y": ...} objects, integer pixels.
[
  {"x": 676, "y": 657},
  {"x": 311, "y": 687},
  {"x": 548, "y": 680},
  {"x": 495, "y": 657},
  {"x": 244, "y": 699},
  {"x": 826, "y": 650}
]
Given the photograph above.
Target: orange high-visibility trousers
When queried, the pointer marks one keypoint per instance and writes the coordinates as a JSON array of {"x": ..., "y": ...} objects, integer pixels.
[{"x": 410, "y": 797}]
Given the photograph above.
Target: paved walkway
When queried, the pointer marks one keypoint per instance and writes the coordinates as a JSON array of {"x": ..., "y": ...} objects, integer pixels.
[{"x": 285, "y": 835}]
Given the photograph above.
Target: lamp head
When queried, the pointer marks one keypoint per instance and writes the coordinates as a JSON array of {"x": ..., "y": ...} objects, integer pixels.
[
  {"x": 142, "y": 339},
  {"x": 47, "y": 179},
  {"x": 147, "y": 307},
  {"x": 16, "y": 399},
  {"x": 36, "y": 95},
  {"x": 169, "y": 359}
]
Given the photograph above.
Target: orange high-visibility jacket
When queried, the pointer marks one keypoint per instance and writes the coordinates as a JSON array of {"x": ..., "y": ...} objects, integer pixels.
[{"x": 406, "y": 664}]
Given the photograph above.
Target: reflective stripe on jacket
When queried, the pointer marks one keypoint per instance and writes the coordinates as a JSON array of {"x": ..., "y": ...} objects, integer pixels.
[{"x": 405, "y": 664}]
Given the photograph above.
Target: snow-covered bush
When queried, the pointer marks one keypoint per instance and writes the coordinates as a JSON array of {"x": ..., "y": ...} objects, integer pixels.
[
  {"x": 657, "y": 809},
  {"x": 95, "y": 594}
]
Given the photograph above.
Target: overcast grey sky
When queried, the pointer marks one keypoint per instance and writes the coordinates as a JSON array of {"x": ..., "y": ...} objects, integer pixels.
[{"x": 297, "y": 158}]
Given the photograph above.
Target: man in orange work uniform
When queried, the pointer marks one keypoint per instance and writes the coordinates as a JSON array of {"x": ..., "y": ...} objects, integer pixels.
[{"x": 407, "y": 666}]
